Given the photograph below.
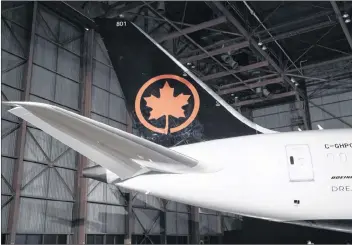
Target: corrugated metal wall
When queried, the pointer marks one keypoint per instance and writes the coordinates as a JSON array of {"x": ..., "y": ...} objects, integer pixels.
[
  {"x": 334, "y": 96},
  {"x": 48, "y": 179},
  {"x": 14, "y": 52},
  {"x": 340, "y": 105},
  {"x": 278, "y": 117}
]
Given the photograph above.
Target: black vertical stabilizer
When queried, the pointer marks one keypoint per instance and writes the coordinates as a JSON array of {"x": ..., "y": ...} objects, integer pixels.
[{"x": 169, "y": 104}]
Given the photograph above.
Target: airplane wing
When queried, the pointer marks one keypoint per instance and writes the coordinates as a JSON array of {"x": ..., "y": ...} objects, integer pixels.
[{"x": 122, "y": 153}]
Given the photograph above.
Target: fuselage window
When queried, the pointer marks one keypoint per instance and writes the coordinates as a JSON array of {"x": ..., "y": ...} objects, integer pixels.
[
  {"x": 292, "y": 160},
  {"x": 343, "y": 157},
  {"x": 330, "y": 156}
]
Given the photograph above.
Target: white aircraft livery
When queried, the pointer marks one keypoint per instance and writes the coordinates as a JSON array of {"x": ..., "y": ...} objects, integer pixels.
[{"x": 198, "y": 150}]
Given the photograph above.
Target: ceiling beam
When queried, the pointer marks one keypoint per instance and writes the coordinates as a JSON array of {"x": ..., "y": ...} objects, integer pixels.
[
  {"x": 233, "y": 47},
  {"x": 342, "y": 23},
  {"x": 254, "y": 43},
  {"x": 70, "y": 13},
  {"x": 300, "y": 31},
  {"x": 277, "y": 28},
  {"x": 9, "y": 5},
  {"x": 182, "y": 23},
  {"x": 292, "y": 23},
  {"x": 129, "y": 6},
  {"x": 194, "y": 43},
  {"x": 254, "y": 79},
  {"x": 261, "y": 100},
  {"x": 247, "y": 35},
  {"x": 191, "y": 29},
  {"x": 238, "y": 70},
  {"x": 328, "y": 62},
  {"x": 251, "y": 86}
]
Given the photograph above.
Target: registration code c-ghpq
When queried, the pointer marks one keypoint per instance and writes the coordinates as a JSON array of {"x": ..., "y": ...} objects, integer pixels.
[{"x": 121, "y": 23}]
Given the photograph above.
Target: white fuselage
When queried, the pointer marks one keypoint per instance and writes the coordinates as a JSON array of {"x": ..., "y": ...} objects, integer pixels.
[{"x": 257, "y": 177}]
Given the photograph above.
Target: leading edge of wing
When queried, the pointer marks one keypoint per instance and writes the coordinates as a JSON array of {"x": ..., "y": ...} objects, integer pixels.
[{"x": 122, "y": 153}]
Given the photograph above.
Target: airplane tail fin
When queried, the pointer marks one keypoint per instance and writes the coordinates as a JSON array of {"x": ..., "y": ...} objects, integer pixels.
[{"x": 169, "y": 104}]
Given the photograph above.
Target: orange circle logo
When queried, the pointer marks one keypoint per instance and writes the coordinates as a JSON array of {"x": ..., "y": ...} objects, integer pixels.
[{"x": 167, "y": 104}]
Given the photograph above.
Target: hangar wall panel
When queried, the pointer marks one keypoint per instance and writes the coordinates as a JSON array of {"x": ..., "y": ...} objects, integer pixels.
[
  {"x": 15, "y": 26},
  {"x": 339, "y": 105},
  {"x": 334, "y": 95},
  {"x": 49, "y": 167},
  {"x": 278, "y": 117}
]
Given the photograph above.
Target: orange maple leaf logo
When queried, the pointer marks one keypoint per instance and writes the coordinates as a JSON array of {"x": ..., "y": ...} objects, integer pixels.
[{"x": 167, "y": 104}]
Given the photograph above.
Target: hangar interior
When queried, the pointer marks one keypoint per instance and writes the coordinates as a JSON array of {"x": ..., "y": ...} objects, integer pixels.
[{"x": 284, "y": 65}]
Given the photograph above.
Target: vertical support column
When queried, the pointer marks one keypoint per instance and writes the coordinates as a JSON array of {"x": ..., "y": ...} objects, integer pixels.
[
  {"x": 81, "y": 187},
  {"x": 129, "y": 219},
  {"x": 301, "y": 109},
  {"x": 128, "y": 197},
  {"x": 306, "y": 110},
  {"x": 221, "y": 228},
  {"x": 304, "y": 106},
  {"x": 162, "y": 214},
  {"x": 21, "y": 139},
  {"x": 194, "y": 225}
]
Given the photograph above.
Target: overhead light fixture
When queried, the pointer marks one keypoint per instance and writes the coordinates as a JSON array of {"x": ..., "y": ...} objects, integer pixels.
[
  {"x": 193, "y": 66},
  {"x": 264, "y": 48},
  {"x": 236, "y": 100},
  {"x": 188, "y": 63},
  {"x": 345, "y": 15},
  {"x": 161, "y": 7},
  {"x": 347, "y": 20},
  {"x": 260, "y": 43},
  {"x": 266, "y": 92},
  {"x": 86, "y": 29},
  {"x": 293, "y": 80}
]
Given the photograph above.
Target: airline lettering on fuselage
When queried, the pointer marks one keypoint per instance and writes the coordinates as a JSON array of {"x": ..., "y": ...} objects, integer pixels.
[
  {"x": 341, "y": 188},
  {"x": 342, "y": 177},
  {"x": 338, "y": 145}
]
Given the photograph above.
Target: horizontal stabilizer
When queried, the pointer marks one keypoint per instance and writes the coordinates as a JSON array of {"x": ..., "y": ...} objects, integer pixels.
[
  {"x": 122, "y": 153},
  {"x": 101, "y": 174}
]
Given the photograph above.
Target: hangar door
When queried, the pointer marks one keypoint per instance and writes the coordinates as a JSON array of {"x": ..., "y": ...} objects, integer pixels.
[{"x": 299, "y": 162}]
